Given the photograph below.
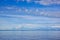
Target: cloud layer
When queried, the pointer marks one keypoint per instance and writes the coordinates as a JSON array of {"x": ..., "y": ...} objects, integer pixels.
[
  {"x": 48, "y": 2},
  {"x": 29, "y": 14},
  {"x": 42, "y": 2},
  {"x": 52, "y": 12}
]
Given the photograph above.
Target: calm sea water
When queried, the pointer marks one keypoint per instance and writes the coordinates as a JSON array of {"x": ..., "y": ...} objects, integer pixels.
[{"x": 29, "y": 35}]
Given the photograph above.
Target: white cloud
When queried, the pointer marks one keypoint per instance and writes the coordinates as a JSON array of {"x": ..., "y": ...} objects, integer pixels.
[
  {"x": 33, "y": 11},
  {"x": 22, "y": 16},
  {"x": 24, "y": 25},
  {"x": 31, "y": 25},
  {"x": 19, "y": 26},
  {"x": 47, "y": 2},
  {"x": 43, "y": 2},
  {"x": 26, "y": 10},
  {"x": 28, "y": 17},
  {"x": 56, "y": 26},
  {"x": 6, "y": 25}
]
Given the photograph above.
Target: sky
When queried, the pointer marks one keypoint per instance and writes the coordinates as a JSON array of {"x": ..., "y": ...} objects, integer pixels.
[{"x": 17, "y": 14}]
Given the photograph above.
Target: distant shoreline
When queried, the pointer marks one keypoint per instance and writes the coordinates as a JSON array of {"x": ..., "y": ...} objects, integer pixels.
[{"x": 29, "y": 30}]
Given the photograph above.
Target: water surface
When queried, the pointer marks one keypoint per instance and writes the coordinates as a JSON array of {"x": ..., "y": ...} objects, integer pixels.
[{"x": 29, "y": 35}]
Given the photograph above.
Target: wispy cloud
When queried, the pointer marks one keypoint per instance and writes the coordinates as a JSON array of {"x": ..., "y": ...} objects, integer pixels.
[
  {"x": 32, "y": 11},
  {"x": 29, "y": 26},
  {"x": 22, "y": 16},
  {"x": 47, "y": 2},
  {"x": 55, "y": 26},
  {"x": 35, "y": 22},
  {"x": 43, "y": 2},
  {"x": 36, "y": 19}
]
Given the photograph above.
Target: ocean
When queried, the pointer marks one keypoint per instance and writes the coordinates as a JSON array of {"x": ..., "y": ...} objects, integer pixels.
[{"x": 29, "y": 35}]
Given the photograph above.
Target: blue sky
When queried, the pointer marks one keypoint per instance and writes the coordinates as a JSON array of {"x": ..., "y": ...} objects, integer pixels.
[{"x": 15, "y": 14}]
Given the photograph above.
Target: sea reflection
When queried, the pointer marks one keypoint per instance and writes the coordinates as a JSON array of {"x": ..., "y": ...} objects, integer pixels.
[{"x": 29, "y": 35}]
